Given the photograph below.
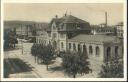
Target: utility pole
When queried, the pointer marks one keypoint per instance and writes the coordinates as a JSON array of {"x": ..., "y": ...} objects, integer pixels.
[
  {"x": 106, "y": 19},
  {"x": 70, "y": 13},
  {"x": 22, "y": 39}
]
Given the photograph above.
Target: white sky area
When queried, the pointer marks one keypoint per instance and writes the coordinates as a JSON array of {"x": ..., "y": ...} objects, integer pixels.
[{"x": 44, "y": 12}]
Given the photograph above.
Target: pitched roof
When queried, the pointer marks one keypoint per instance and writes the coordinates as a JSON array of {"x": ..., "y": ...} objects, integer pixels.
[
  {"x": 72, "y": 19},
  {"x": 93, "y": 38},
  {"x": 68, "y": 19}
]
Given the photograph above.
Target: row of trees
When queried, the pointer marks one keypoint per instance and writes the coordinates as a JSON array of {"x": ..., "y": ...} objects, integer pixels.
[
  {"x": 10, "y": 39},
  {"x": 72, "y": 62},
  {"x": 75, "y": 63},
  {"x": 43, "y": 53}
]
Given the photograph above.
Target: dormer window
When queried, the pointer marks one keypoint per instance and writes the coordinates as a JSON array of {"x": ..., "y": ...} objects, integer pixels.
[
  {"x": 54, "y": 27},
  {"x": 54, "y": 35},
  {"x": 62, "y": 26},
  {"x": 78, "y": 27},
  {"x": 49, "y": 34}
]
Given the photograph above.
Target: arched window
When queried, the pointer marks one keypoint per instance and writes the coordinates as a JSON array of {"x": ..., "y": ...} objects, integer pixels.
[
  {"x": 55, "y": 44},
  {"x": 54, "y": 35},
  {"x": 78, "y": 47},
  {"x": 97, "y": 51},
  {"x": 74, "y": 46},
  {"x": 70, "y": 46},
  {"x": 108, "y": 54},
  {"x": 49, "y": 42},
  {"x": 39, "y": 41},
  {"x": 116, "y": 51},
  {"x": 62, "y": 45},
  {"x": 90, "y": 50},
  {"x": 43, "y": 41},
  {"x": 54, "y": 27},
  {"x": 84, "y": 49}
]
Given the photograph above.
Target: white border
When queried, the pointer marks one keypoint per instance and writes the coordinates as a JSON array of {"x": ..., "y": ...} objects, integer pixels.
[
  {"x": 68, "y": 1},
  {"x": 64, "y": 1},
  {"x": 1, "y": 42}
]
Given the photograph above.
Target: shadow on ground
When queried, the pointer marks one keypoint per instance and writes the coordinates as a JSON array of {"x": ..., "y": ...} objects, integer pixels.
[
  {"x": 43, "y": 63},
  {"x": 57, "y": 68},
  {"x": 15, "y": 65}
]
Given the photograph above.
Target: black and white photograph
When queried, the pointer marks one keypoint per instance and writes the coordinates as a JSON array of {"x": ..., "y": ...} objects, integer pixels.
[{"x": 63, "y": 40}]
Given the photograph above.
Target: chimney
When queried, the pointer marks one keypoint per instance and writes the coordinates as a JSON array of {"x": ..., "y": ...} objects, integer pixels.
[
  {"x": 65, "y": 14},
  {"x": 56, "y": 16}
]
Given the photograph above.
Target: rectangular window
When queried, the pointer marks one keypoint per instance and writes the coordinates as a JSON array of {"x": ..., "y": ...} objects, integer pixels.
[
  {"x": 69, "y": 45},
  {"x": 49, "y": 34},
  {"x": 54, "y": 27},
  {"x": 54, "y": 35},
  {"x": 62, "y": 35},
  {"x": 62, "y": 45},
  {"x": 74, "y": 46}
]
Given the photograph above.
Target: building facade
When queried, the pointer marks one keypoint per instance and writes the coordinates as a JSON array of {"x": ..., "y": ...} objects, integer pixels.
[
  {"x": 74, "y": 34},
  {"x": 103, "y": 30},
  {"x": 120, "y": 29}
]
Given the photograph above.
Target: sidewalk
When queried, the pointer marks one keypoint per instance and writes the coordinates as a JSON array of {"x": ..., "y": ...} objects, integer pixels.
[{"x": 40, "y": 69}]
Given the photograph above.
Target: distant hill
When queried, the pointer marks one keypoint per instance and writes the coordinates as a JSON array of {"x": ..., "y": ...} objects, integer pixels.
[{"x": 17, "y": 23}]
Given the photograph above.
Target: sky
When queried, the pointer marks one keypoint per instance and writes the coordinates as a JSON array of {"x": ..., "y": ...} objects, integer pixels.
[{"x": 44, "y": 12}]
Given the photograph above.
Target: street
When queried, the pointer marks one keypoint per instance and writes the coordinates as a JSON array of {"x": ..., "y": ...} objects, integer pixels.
[
  {"x": 17, "y": 67},
  {"x": 27, "y": 68}
]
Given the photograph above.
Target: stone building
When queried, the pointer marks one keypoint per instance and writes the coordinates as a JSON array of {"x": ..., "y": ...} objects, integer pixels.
[
  {"x": 103, "y": 30},
  {"x": 120, "y": 29},
  {"x": 23, "y": 30},
  {"x": 72, "y": 33}
]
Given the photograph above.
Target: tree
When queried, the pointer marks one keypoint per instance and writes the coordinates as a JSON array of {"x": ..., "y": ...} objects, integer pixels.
[
  {"x": 6, "y": 39},
  {"x": 10, "y": 39},
  {"x": 45, "y": 53},
  {"x": 40, "y": 52},
  {"x": 48, "y": 54},
  {"x": 34, "y": 49},
  {"x": 112, "y": 69},
  {"x": 75, "y": 62}
]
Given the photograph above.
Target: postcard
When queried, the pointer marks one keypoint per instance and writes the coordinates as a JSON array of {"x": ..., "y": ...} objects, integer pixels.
[{"x": 65, "y": 41}]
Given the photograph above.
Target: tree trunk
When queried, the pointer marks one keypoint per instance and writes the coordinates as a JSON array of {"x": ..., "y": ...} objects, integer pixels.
[
  {"x": 35, "y": 59},
  {"x": 47, "y": 67},
  {"x": 41, "y": 60},
  {"x": 74, "y": 76},
  {"x": 38, "y": 60},
  {"x": 14, "y": 45}
]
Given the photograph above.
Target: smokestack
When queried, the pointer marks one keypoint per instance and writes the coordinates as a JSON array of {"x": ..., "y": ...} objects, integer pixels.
[{"x": 106, "y": 18}]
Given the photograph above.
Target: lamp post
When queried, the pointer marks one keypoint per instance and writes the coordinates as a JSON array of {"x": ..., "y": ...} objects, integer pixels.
[{"x": 21, "y": 40}]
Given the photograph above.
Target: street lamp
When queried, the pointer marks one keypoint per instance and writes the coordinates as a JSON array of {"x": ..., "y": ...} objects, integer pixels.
[{"x": 21, "y": 40}]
